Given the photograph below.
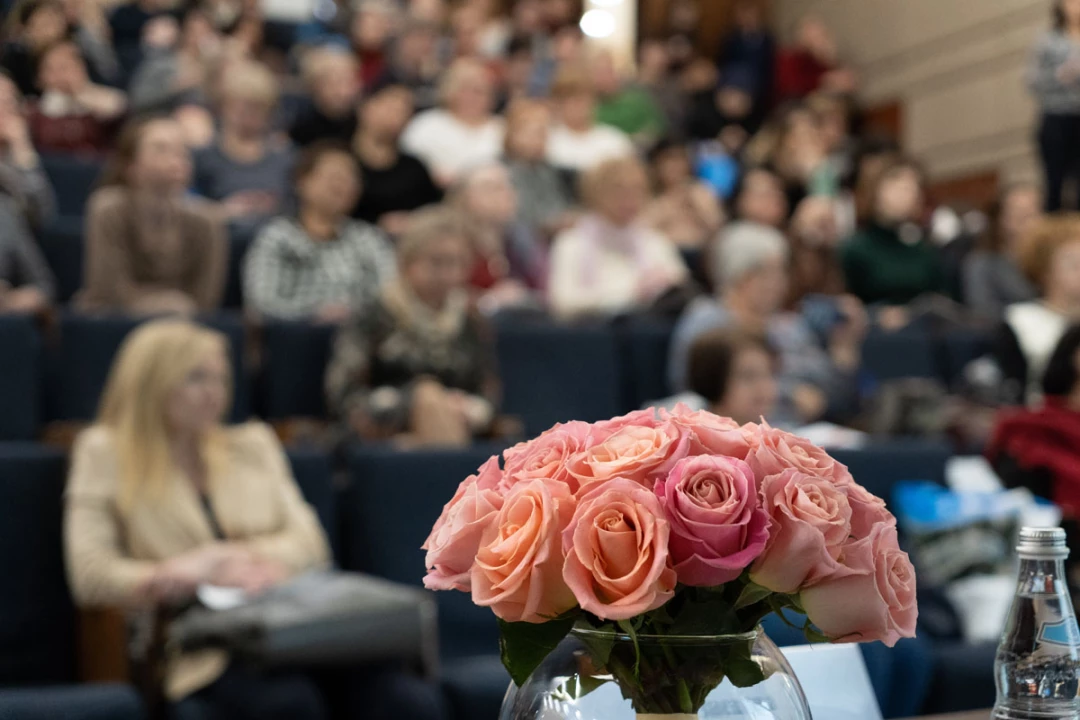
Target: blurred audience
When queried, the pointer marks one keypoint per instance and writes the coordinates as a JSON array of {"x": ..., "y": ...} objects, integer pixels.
[
  {"x": 1054, "y": 80},
  {"x": 890, "y": 261},
  {"x": 748, "y": 51},
  {"x": 417, "y": 367},
  {"x": 72, "y": 114},
  {"x": 759, "y": 198},
  {"x": 32, "y": 27},
  {"x": 610, "y": 262},
  {"x": 415, "y": 62},
  {"x": 750, "y": 266},
  {"x": 163, "y": 497},
  {"x": 395, "y": 183},
  {"x": 733, "y": 374},
  {"x": 374, "y": 25},
  {"x": 26, "y": 282},
  {"x": 320, "y": 264},
  {"x": 577, "y": 142},
  {"x": 464, "y": 131},
  {"x": 510, "y": 267},
  {"x": 175, "y": 72},
  {"x": 1050, "y": 258},
  {"x": 246, "y": 169},
  {"x": 21, "y": 175},
  {"x": 624, "y": 106},
  {"x": 544, "y": 200},
  {"x": 151, "y": 248},
  {"x": 685, "y": 210},
  {"x": 993, "y": 278},
  {"x": 332, "y": 77}
]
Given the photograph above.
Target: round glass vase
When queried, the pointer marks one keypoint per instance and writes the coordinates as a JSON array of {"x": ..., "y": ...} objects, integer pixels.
[{"x": 595, "y": 675}]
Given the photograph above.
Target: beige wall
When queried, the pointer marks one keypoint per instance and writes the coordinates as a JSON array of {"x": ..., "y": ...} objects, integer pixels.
[{"x": 956, "y": 65}]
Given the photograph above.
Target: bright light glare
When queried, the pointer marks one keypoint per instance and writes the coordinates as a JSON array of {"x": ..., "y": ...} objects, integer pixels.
[
  {"x": 605, "y": 3},
  {"x": 598, "y": 23}
]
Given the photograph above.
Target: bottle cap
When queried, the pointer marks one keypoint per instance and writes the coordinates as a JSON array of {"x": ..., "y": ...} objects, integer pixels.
[{"x": 1042, "y": 543}]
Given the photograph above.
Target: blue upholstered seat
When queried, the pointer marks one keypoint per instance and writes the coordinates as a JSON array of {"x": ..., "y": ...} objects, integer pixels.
[
  {"x": 76, "y": 702},
  {"x": 73, "y": 179},
  {"x": 295, "y": 356},
  {"x": 20, "y": 378}
]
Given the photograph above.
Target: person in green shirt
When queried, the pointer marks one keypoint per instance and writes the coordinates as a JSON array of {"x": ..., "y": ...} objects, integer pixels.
[
  {"x": 890, "y": 260},
  {"x": 628, "y": 107}
]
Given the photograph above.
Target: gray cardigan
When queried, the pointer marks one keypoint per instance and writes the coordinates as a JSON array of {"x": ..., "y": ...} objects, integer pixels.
[
  {"x": 1054, "y": 97},
  {"x": 21, "y": 262}
]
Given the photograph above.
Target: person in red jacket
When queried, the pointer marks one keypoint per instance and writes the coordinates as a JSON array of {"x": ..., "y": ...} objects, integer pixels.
[{"x": 811, "y": 64}]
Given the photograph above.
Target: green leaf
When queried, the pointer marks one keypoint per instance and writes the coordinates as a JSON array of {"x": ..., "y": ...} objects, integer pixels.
[
  {"x": 523, "y": 646},
  {"x": 740, "y": 667},
  {"x": 627, "y": 626},
  {"x": 752, "y": 594}
]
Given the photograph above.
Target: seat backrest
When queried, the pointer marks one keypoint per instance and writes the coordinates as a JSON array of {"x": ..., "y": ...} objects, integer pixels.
[
  {"x": 62, "y": 245},
  {"x": 294, "y": 360},
  {"x": 644, "y": 358},
  {"x": 37, "y": 643},
  {"x": 879, "y": 466},
  {"x": 393, "y": 500},
  {"x": 552, "y": 374},
  {"x": 20, "y": 378},
  {"x": 78, "y": 364},
  {"x": 911, "y": 352},
  {"x": 313, "y": 471},
  {"x": 73, "y": 179}
]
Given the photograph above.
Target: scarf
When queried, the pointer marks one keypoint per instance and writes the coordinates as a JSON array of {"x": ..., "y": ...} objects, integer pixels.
[
  {"x": 422, "y": 320},
  {"x": 1044, "y": 439}
]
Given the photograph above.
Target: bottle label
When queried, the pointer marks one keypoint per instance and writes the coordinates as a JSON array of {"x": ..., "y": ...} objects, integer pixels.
[{"x": 1064, "y": 632}]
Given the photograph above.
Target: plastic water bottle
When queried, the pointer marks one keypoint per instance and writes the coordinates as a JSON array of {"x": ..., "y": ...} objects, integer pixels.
[{"x": 1038, "y": 661}]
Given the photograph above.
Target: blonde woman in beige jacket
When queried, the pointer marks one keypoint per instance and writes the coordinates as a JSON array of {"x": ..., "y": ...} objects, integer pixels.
[{"x": 163, "y": 497}]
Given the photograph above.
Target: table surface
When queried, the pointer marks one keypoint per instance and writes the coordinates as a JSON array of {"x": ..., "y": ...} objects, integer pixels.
[{"x": 978, "y": 715}]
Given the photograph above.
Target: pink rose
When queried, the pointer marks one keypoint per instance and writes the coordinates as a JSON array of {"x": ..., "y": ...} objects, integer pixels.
[
  {"x": 775, "y": 451},
  {"x": 867, "y": 510},
  {"x": 547, "y": 456},
  {"x": 717, "y": 528},
  {"x": 451, "y": 546},
  {"x": 604, "y": 429},
  {"x": 875, "y": 603},
  {"x": 640, "y": 453},
  {"x": 810, "y": 522},
  {"x": 616, "y": 547},
  {"x": 518, "y": 570},
  {"x": 711, "y": 434}
]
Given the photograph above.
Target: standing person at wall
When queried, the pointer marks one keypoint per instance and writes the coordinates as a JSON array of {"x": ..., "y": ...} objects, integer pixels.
[{"x": 1054, "y": 79}]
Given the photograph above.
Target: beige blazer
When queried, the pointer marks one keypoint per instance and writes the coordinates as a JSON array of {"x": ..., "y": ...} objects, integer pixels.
[{"x": 256, "y": 503}]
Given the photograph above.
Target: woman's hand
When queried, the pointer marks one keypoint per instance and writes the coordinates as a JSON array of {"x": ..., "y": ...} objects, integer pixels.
[
  {"x": 177, "y": 578},
  {"x": 249, "y": 572}
]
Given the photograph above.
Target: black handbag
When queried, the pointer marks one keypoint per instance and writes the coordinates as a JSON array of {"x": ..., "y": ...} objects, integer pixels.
[{"x": 318, "y": 619}]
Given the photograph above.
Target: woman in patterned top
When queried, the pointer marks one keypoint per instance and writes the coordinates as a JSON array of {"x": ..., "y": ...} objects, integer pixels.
[
  {"x": 319, "y": 264},
  {"x": 418, "y": 367}
]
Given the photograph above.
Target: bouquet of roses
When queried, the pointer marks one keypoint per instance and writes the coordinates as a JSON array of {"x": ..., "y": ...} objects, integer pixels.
[{"x": 670, "y": 524}]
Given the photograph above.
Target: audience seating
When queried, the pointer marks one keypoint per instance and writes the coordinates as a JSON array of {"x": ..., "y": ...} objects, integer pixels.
[
  {"x": 314, "y": 473},
  {"x": 906, "y": 353},
  {"x": 294, "y": 360},
  {"x": 961, "y": 347},
  {"x": 643, "y": 349},
  {"x": 73, "y": 179},
  {"x": 20, "y": 362},
  {"x": 240, "y": 240},
  {"x": 78, "y": 364},
  {"x": 389, "y": 508},
  {"x": 77, "y": 702},
  {"x": 552, "y": 373},
  {"x": 880, "y": 466},
  {"x": 62, "y": 245},
  {"x": 37, "y": 621}
]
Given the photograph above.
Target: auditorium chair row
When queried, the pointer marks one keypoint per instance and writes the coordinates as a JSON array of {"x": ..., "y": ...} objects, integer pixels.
[
  {"x": 550, "y": 373},
  {"x": 377, "y": 521}
]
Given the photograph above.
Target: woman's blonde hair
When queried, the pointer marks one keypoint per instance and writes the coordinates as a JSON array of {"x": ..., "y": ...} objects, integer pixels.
[
  {"x": 430, "y": 224},
  {"x": 603, "y": 177},
  {"x": 250, "y": 80},
  {"x": 152, "y": 362}
]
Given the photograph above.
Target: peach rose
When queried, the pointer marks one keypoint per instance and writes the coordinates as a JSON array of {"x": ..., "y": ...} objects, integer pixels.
[
  {"x": 518, "y": 570},
  {"x": 451, "y": 546},
  {"x": 616, "y": 547},
  {"x": 867, "y": 510},
  {"x": 711, "y": 434},
  {"x": 810, "y": 522},
  {"x": 717, "y": 528},
  {"x": 604, "y": 429},
  {"x": 876, "y": 601},
  {"x": 775, "y": 451},
  {"x": 547, "y": 456},
  {"x": 640, "y": 453}
]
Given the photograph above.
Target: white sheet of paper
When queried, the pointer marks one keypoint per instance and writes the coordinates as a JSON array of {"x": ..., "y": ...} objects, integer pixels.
[
  {"x": 835, "y": 681},
  {"x": 216, "y": 597}
]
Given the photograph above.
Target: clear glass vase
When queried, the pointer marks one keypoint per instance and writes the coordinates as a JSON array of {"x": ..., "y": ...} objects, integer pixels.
[{"x": 595, "y": 675}]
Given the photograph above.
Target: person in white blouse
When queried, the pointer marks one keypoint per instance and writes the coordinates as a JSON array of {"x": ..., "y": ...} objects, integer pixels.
[
  {"x": 578, "y": 142},
  {"x": 609, "y": 262},
  {"x": 464, "y": 132}
]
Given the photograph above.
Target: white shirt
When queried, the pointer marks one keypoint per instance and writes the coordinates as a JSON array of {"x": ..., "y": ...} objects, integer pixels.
[
  {"x": 584, "y": 150},
  {"x": 597, "y": 268},
  {"x": 449, "y": 147},
  {"x": 1038, "y": 331}
]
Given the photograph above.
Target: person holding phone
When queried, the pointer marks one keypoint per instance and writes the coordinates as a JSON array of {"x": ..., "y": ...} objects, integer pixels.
[{"x": 1054, "y": 79}]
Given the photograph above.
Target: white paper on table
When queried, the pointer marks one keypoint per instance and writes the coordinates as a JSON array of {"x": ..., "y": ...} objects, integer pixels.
[
  {"x": 835, "y": 681},
  {"x": 971, "y": 474}
]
